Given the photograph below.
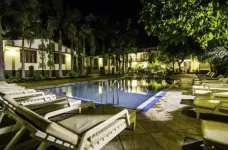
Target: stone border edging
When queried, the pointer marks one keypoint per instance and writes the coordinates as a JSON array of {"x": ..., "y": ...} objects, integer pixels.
[{"x": 144, "y": 107}]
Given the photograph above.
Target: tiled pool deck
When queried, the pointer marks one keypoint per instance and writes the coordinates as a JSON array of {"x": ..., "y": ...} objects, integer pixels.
[{"x": 163, "y": 127}]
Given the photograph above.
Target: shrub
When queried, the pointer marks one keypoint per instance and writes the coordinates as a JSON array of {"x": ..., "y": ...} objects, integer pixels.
[
  {"x": 38, "y": 77},
  {"x": 72, "y": 74},
  {"x": 17, "y": 77}
]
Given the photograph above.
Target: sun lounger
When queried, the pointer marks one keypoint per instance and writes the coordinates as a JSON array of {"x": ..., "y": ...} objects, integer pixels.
[
  {"x": 214, "y": 132},
  {"x": 104, "y": 125},
  {"x": 38, "y": 102},
  {"x": 215, "y": 135},
  {"x": 207, "y": 77},
  {"x": 208, "y": 89},
  {"x": 210, "y": 96},
  {"x": 211, "y": 106}
]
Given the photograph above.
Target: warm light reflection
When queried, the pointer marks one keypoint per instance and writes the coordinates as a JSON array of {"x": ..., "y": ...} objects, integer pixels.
[
  {"x": 69, "y": 91},
  {"x": 100, "y": 89}
]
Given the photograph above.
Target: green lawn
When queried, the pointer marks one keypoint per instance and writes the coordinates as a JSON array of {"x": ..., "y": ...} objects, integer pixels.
[{"x": 53, "y": 82}]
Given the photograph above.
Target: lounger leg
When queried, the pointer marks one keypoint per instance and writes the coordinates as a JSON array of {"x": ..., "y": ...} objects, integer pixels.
[
  {"x": 2, "y": 114},
  {"x": 43, "y": 146},
  {"x": 197, "y": 115},
  {"x": 15, "y": 138},
  {"x": 207, "y": 147}
]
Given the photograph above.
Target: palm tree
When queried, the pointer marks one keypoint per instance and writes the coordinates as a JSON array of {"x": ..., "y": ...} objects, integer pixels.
[
  {"x": 126, "y": 40},
  {"x": 72, "y": 19},
  {"x": 2, "y": 77},
  {"x": 24, "y": 21},
  {"x": 92, "y": 44},
  {"x": 20, "y": 13},
  {"x": 105, "y": 30},
  {"x": 4, "y": 13},
  {"x": 85, "y": 33}
]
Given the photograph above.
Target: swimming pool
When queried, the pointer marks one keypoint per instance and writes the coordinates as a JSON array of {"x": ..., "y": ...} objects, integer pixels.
[{"x": 132, "y": 93}]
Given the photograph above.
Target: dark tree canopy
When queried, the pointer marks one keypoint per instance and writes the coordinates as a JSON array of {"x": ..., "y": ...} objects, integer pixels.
[{"x": 174, "y": 21}]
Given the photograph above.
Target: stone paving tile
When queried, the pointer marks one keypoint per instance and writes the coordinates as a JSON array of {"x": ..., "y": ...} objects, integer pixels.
[
  {"x": 139, "y": 130},
  {"x": 177, "y": 113},
  {"x": 160, "y": 114},
  {"x": 195, "y": 122},
  {"x": 154, "y": 126},
  {"x": 168, "y": 140},
  {"x": 115, "y": 144},
  {"x": 175, "y": 123},
  {"x": 146, "y": 116},
  {"x": 139, "y": 142},
  {"x": 190, "y": 134}
]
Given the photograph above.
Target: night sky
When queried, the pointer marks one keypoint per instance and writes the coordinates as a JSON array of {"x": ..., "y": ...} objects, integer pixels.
[{"x": 117, "y": 10}]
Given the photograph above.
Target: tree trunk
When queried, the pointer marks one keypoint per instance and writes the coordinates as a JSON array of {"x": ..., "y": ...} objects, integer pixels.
[
  {"x": 91, "y": 64},
  {"x": 50, "y": 72},
  {"x": 109, "y": 64},
  {"x": 43, "y": 72},
  {"x": 2, "y": 77},
  {"x": 50, "y": 67},
  {"x": 117, "y": 64},
  {"x": 173, "y": 65},
  {"x": 123, "y": 65},
  {"x": 83, "y": 58},
  {"x": 60, "y": 54},
  {"x": 103, "y": 55},
  {"x": 179, "y": 65},
  {"x": 72, "y": 57},
  {"x": 23, "y": 59},
  {"x": 211, "y": 67},
  {"x": 127, "y": 61}
]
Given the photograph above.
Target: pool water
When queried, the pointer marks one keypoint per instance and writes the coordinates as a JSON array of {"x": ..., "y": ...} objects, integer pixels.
[{"x": 131, "y": 93}]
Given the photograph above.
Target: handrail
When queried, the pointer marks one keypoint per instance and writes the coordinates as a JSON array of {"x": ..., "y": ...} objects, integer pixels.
[
  {"x": 102, "y": 94},
  {"x": 115, "y": 84}
]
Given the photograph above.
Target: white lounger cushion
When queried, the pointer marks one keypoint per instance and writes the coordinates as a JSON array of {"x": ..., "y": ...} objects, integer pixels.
[
  {"x": 215, "y": 132},
  {"x": 81, "y": 123}
]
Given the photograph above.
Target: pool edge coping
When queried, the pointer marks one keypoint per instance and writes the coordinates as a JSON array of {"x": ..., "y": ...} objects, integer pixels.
[{"x": 145, "y": 106}]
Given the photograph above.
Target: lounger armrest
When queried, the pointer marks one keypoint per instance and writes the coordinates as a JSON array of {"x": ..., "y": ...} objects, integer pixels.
[
  {"x": 61, "y": 111},
  {"x": 216, "y": 109},
  {"x": 45, "y": 103},
  {"x": 68, "y": 109},
  {"x": 123, "y": 114}
]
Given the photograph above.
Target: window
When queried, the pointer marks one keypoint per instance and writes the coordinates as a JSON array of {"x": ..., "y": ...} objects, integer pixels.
[
  {"x": 30, "y": 56},
  {"x": 56, "y": 58}
]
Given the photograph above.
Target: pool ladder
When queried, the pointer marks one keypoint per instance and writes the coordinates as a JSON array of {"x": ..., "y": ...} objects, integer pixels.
[{"x": 115, "y": 86}]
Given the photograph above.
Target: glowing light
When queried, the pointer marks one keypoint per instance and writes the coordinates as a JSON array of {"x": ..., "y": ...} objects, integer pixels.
[
  {"x": 11, "y": 52},
  {"x": 187, "y": 60},
  {"x": 100, "y": 61},
  {"x": 68, "y": 57}
]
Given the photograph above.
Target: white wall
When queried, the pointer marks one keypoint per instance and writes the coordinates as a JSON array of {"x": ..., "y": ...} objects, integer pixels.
[
  {"x": 37, "y": 42},
  {"x": 10, "y": 52}
]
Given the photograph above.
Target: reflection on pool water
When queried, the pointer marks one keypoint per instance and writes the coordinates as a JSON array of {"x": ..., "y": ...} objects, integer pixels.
[{"x": 132, "y": 93}]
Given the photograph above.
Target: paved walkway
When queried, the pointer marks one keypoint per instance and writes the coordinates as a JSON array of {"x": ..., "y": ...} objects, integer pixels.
[{"x": 163, "y": 127}]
